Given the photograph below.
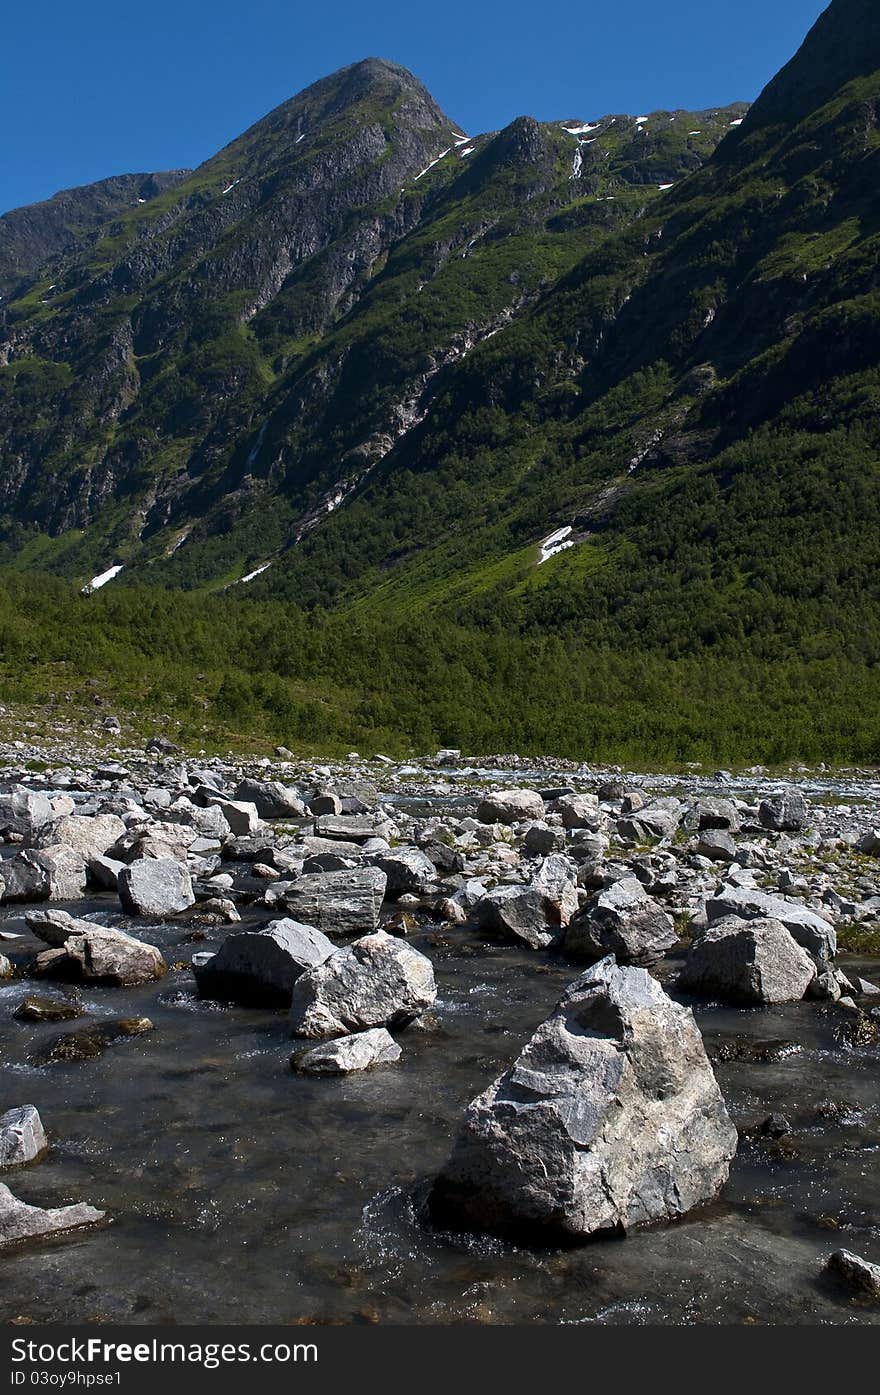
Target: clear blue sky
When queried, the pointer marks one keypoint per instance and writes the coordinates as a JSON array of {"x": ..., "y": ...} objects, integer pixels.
[{"x": 104, "y": 87}]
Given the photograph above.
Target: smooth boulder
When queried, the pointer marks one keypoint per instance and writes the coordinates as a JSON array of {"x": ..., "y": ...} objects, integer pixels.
[
  {"x": 379, "y": 981},
  {"x": 611, "y": 1118},
  {"x": 511, "y": 806}
]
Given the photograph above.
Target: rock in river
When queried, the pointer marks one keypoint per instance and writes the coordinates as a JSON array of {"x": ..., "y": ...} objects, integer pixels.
[
  {"x": 810, "y": 929},
  {"x": 622, "y": 920},
  {"x": 90, "y": 1042},
  {"x": 155, "y": 887},
  {"x": 22, "y": 1138},
  {"x": 338, "y": 903},
  {"x": 748, "y": 961},
  {"x": 360, "y": 1051},
  {"x": 261, "y": 966},
  {"x": 378, "y": 981},
  {"x": 18, "y": 1221},
  {"x": 610, "y": 1118}
]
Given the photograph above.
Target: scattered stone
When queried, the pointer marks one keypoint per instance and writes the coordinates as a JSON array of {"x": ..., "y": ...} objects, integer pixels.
[
  {"x": 260, "y": 967},
  {"x": 271, "y": 799},
  {"x": 511, "y": 806},
  {"x": 811, "y": 930},
  {"x": 408, "y": 870},
  {"x": 155, "y": 887},
  {"x": 376, "y": 1047},
  {"x": 377, "y": 981},
  {"x": 18, "y": 1221},
  {"x": 338, "y": 903},
  {"x": 622, "y": 920},
  {"x": 22, "y": 1138},
  {"x": 785, "y": 812},
  {"x": 36, "y": 1008},
  {"x": 859, "y": 1274},
  {"x": 754, "y": 961},
  {"x": 611, "y": 1118}
]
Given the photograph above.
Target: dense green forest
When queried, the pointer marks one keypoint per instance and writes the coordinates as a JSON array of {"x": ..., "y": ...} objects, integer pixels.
[{"x": 217, "y": 672}]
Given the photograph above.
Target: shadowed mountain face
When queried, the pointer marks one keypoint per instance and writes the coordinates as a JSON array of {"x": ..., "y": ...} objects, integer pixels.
[
  {"x": 360, "y": 358},
  {"x": 32, "y": 238}
]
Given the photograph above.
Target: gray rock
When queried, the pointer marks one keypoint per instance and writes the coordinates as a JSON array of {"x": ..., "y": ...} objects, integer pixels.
[
  {"x": 610, "y": 1119},
  {"x": 408, "y": 870},
  {"x": 350, "y": 828},
  {"x": 556, "y": 880},
  {"x": 579, "y": 811},
  {"x": 18, "y": 1221},
  {"x": 806, "y": 926},
  {"x": 7, "y": 969},
  {"x": 271, "y": 798},
  {"x": 521, "y": 913},
  {"x": 261, "y": 966},
  {"x": 25, "y": 811},
  {"x": 88, "y": 836},
  {"x": 22, "y": 1138},
  {"x": 96, "y": 952},
  {"x": 376, "y": 1047},
  {"x": 717, "y": 846},
  {"x": 155, "y": 887},
  {"x": 104, "y": 872},
  {"x": 622, "y": 920},
  {"x": 859, "y": 1274},
  {"x": 712, "y": 813},
  {"x": 338, "y": 903},
  {"x": 869, "y": 843},
  {"x": 754, "y": 961},
  {"x": 541, "y": 839},
  {"x": 379, "y": 981},
  {"x": 785, "y": 812},
  {"x": 241, "y": 816},
  {"x": 511, "y": 806}
]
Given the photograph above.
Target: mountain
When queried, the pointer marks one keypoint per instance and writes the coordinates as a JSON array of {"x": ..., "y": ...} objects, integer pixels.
[
  {"x": 32, "y": 238},
  {"x": 584, "y": 409}
]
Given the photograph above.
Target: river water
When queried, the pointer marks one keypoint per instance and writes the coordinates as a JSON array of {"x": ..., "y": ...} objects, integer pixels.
[{"x": 241, "y": 1192}]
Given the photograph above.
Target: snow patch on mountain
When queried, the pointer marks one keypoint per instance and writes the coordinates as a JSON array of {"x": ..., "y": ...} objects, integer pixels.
[
  {"x": 556, "y": 543},
  {"x": 101, "y": 580}
]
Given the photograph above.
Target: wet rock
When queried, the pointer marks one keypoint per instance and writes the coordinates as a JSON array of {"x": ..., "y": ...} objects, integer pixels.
[
  {"x": 36, "y": 1008},
  {"x": 97, "y": 953},
  {"x": 774, "y": 1126},
  {"x": 271, "y": 799},
  {"x": 521, "y": 913},
  {"x": 7, "y": 968},
  {"x": 377, "y": 981},
  {"x": 511, "y": 806},
  {"x": 408, "y": 870},
  {"x": 338, "y": 903},
  {"x": 261, "y": 966},
  {"x": 88, "y": 1043},
  {"x": 22, "y": 1138},
  {"x": 754, "y": 961},
  {"x": 785, "y": 812},
  {"x": 155, "y": 887},
  {"x": 622, "y": 920},
  {"x": 858, "y": 1274},
  {"x": 816, "y": 935},
  {"x": 610, "y": 1119},
  {"x": 376, "y": 1047},
  {"x": 18, "y": 1221}
]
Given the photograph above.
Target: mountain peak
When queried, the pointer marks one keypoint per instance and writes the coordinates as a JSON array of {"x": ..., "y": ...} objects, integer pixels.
[{"x": 843, "y": 44}]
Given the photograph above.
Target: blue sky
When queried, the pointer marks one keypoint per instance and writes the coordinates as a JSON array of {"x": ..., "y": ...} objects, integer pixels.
[{"x": 98, "y": 88}]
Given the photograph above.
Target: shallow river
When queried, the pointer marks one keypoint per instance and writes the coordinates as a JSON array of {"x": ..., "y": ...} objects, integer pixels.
[{"x": 241, "y": 1192}]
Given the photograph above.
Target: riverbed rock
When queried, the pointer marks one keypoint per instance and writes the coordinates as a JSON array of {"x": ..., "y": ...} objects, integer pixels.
[
  {"x": 810, "y": 929},
  {"x": 556, "y": 880},
  {"x": 87, "y": 1043},
  {"x": 38, "y": 1008},
  {"x": 579, "y": 811},
  {"x": 98, "y": 953},
  {"x": 610, "y": 1118},
  {"x": 407, "y": 870},
  {"x": 25, "y": 811},
  {"x": 713, "y": 813},
  {"x": 260, "y": 967},
  {"x": 18, "y": 1221},
  {"x": 784, "y": 812},
  {"x": 379, "y": 981},
  {"x": 271, "y": 799},
  {"x": 716, "y": 845},
  {"x": 360, "y": 1051},
  {"x": 22, "y": 1137},
  {"x": 519, "y": 912},
  {"x": 754, "y": 961},
  {"x": 88, "y": 835},
  {"x": 859, "y": 1274},
  {"x": 338, "y": 903},
  {"x": 155, "y": 887},
  {"x": 511, "y": 806},
  {"x": 622, "y": 920}
]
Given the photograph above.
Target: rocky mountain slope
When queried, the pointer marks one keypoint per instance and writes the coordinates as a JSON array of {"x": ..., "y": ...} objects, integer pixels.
[{"x": 32, "y": 238}]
